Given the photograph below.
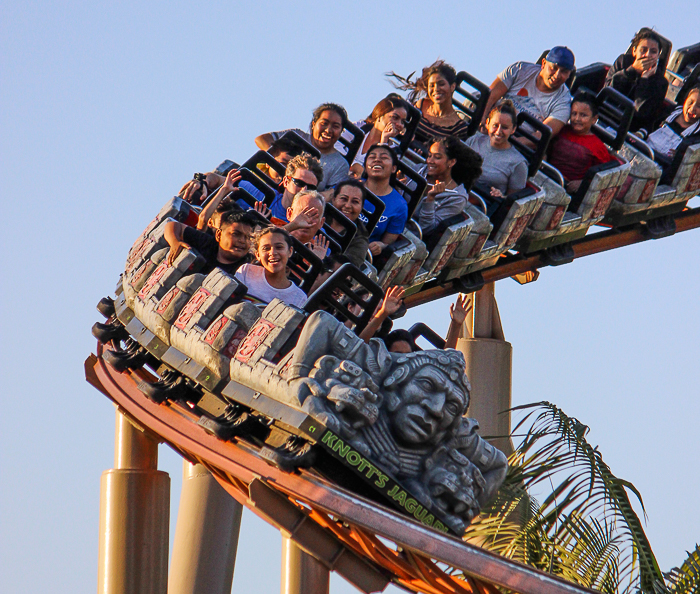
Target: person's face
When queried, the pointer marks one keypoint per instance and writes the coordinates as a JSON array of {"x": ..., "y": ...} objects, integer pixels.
[
  {"x": 397, "y": 117},
  {"x": 582, "y": 118},
  {"x": 553, "y": 76},
  {"x": 349, "y": 202},
  {"x": 500, "y": 127},
  {"x": 430, "y": 402},
  {"x": 646, "y": 48},
  {"x": 437, "y": 161},
  {"x": 273, "y": 252},
  {"x": 305, "y": 201},
  {"x": 379, "y": 165},
  {"x": 439, "y": 90},
  {"x": 691, "y": 107},
  {"x": 300, "y": 180},
  {"x": 400, "y": 346},
  {"x": 234, "y": 239},
  {"x": 327, "y": 130}
]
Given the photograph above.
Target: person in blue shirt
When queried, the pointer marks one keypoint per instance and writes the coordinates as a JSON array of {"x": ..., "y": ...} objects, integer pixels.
[
  {"x": 381, "y": 164},
  {"x": 304, "y": 172}
]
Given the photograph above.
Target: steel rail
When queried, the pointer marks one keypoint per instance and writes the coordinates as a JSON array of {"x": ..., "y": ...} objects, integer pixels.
[{"x": 176, "y": 425}]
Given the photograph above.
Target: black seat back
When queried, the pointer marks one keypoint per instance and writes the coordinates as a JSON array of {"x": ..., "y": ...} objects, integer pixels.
[
  {"x": 343, "y": 284},
  {"x": 421, "y": 330},
  {"x": 304, "y": 266},
  {"x": 684, "y": 57},
  {"x": 690, "y": 81},
  {"x": 303, "y": 144},
  {"x": 615, "y": 111},
  {"x": 339, "y": 241},
  {"x": 370, "y": 220},
  {"x": 412, "y": 121},
  {"x": 535, "y": 155},
  {"x": 591, "y": 77},
  {"x": 413, "y": 188},
  {"x": 475, "y": 96},
  {"x": 265, "y": 158},
  {"x": 352, "y": 144},
  {"x": 260, "y": 185}
]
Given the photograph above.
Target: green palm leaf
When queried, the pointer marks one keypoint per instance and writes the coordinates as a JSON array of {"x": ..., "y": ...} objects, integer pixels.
[{"x": 585, "y": 528}]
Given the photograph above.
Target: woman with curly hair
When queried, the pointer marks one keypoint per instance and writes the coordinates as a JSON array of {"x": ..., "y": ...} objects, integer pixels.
[{"x": 452, "y": 168}]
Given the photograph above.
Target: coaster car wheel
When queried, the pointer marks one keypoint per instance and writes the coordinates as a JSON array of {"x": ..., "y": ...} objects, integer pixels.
[
  {"x": 132, "y": 356},
  {"x": 295, "y": 453}
]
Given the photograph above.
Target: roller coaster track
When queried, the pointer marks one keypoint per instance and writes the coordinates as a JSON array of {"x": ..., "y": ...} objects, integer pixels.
[
  {"x": 594, "y": 243},
  {"x": 366, "y": 543}
]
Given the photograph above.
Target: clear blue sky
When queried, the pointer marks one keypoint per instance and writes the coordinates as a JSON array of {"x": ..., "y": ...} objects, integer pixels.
[{"x": 107, "y": 108}]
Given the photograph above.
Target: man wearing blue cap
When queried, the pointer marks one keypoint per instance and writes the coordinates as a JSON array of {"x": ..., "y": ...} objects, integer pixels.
[{"x": 538, "y": 90}]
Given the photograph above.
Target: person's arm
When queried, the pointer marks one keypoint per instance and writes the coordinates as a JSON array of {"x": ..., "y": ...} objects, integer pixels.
[
  {"x": 426, "y": 215},
  {"x": 498, "y": 91},
  {"x": 458, "y": 313},
  {"x": 376, "y": 247},
  {"x": 232, "y": 180},
  {"x": 517, "y": 180},
  {"x": 173, "y": 235},
  {"x": 306, "y": 219},
  {"x": 390, "y": 305},
  {"x": 554, "y": 124},
  {"x": 264, "y": 141}
]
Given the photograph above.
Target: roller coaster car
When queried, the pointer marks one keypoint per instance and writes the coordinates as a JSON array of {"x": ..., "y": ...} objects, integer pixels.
[
  {"x": 563, "y": 218},
  {"x": 651, "y": 192},
  {"x": 302, "y": 388}
]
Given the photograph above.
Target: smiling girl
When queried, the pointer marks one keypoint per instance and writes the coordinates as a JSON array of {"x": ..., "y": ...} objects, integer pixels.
[{"x": 273, "y": 248}]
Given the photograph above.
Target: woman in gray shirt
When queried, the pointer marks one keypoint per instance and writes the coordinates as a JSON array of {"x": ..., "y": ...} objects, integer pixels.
[
  {"x": 452, "y": 168},
  {"x": 504, "y": 168}
]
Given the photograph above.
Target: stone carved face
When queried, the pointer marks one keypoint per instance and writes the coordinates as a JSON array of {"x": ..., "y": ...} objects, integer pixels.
[{"x": 425, "y": 406}]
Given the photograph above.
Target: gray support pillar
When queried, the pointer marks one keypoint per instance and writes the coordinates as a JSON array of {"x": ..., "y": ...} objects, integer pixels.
[
  {"x": 134, "y": 517},
  {"x": 489, "y": 368},
  {"x": 301, "y": 573},
  {"x": 206, "y": 536}
]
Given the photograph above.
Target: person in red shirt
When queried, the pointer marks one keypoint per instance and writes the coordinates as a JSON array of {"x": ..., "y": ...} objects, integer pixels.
[{"x": 576, "y": 149}]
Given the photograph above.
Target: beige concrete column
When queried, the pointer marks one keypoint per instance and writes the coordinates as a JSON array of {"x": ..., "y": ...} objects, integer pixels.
[
  {"x": 206, "y": 536},
  {"x": 489, "y": 368},
  {"x": 301, "y": 573},
  {"x": 134, "y": 517}
]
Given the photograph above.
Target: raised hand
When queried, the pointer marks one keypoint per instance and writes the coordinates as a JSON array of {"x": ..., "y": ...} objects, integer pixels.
[
  {"x": 232, "y": 179},
  {"x": 460, "y": 308},
  {"x": 262, "y": 208},
  {"x": 306, "y": 219},
  {"x": 392, "y": 301},
  {"x": 319, "y": 245}
]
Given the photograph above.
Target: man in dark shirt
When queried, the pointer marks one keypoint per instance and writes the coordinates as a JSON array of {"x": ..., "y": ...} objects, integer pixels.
[{"x": 227, "y": 249}]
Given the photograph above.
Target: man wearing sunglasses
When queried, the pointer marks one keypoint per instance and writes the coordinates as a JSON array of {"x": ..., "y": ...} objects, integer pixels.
[{"x": 304, "y": 172}]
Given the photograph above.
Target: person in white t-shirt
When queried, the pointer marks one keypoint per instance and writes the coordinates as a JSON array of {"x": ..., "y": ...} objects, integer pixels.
[
  {"x": 273, "y": 248},
  {"x": 537, "y": 90}
]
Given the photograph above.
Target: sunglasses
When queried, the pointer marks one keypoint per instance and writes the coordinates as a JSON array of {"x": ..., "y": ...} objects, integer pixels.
[{"x": 302, "y": 184}]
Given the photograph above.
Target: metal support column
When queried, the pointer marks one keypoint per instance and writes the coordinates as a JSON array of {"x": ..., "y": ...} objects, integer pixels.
[
  {"x": 134, "y": 517},
  {"x": 301, "y": 573},
  {"x": 489, "y": 368},
  {"x": 206, "y": 536}
]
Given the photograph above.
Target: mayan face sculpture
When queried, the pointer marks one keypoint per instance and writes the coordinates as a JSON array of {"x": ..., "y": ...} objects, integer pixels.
[{"x": 403, "y": 413}]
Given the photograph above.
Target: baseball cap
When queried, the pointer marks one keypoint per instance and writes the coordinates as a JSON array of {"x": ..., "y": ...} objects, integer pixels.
[{"x": 561, "y": 56}]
